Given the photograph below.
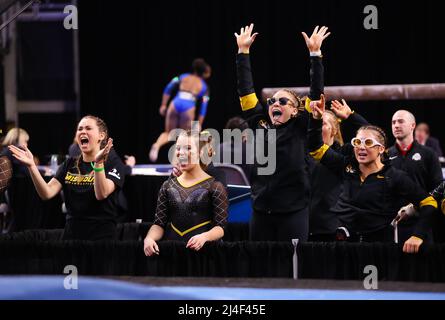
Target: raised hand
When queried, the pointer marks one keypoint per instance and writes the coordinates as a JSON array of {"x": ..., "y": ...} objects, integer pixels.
[
  {"x": 318, "y": 107},
  {"x": 23, "y": 155},
  {"x": 314, "y": 42},
  {"x": 245, "y": 39},
  {"x": 341, "y": 110},
  {"x": 102, "y": 154}
]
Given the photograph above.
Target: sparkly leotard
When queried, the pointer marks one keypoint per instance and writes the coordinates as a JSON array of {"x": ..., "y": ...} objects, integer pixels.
[{"x": 187, "y": 211}]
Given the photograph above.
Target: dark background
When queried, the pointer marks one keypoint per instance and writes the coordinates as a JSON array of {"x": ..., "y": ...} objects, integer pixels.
[{"x": 130, "y": 50}]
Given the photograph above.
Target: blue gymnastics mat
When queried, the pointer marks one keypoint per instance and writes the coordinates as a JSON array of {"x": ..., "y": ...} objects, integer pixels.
[{"x": 52, "y": 288}]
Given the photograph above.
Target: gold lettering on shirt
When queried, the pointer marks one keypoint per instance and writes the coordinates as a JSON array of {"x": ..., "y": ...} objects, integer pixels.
[{"x": 79, "y": 180}]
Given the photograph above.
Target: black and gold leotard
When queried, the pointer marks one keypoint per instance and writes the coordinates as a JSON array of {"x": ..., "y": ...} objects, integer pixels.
[{"x": 187, "y": 211}]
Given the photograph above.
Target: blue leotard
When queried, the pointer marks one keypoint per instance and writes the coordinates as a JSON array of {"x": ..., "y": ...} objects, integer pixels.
[{"x": 185, "y": 100}]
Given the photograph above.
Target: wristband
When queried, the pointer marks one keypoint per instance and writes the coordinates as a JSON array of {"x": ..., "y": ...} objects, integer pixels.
[{"x": 97, "y": 169}]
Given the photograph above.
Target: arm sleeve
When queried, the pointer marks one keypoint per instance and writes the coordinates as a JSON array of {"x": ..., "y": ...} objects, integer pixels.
[
  {"x": 5, "y": 172},
  {"x": 322, "y": 152},
  {"x": 220, "y": 204},
  {"x": 316, "y": 89},
  {"x": 350, "y": 126},
  {"x": 115, "y": 169},
  {"x": 438, "y": 194},
  {"x": 173, "y": 85},
  {"x": 162, "y": 212},
  {"x": 317, "y": 78},
  {"x": 250, "y": 104},
  {"x": 407, "y": 189},
  {"x": 353, "y": 123},
  {"x": 357, "y": 120}
]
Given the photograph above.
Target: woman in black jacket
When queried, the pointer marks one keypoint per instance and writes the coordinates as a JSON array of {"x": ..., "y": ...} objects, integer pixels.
[
  {"x": 281, "y": 197},
  {"x": 326, "y": 186},
  {"x": 366, "y": 205}
]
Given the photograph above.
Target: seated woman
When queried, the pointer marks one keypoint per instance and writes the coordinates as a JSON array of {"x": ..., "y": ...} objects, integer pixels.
[
  {"x": 192, "y": 207},
  {"x": 365, "y": 207},
  {"x": 90, "y": 183}
]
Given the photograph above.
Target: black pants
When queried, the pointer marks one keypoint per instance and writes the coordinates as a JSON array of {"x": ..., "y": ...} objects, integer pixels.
[
  {"x": 88, "y": 229},
  {"x": 279, "y": 226}
]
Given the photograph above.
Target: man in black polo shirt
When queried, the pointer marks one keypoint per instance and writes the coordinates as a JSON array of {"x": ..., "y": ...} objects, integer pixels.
[{"x": 419, "y": 162}]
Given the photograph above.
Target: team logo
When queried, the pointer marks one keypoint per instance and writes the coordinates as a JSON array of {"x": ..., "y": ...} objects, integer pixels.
[
  {"x": 417, "y": 157},
  {"x": 115, "y": 174},
  {"x": 78, "y": 179},
  {"x": 350, "y": 169},
  {"x": 263, "y": 124}
]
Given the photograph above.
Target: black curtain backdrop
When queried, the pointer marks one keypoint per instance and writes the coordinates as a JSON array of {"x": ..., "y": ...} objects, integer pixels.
[
  {"x": 40, "y": 252},
  {"x": 130, "y": 50}
]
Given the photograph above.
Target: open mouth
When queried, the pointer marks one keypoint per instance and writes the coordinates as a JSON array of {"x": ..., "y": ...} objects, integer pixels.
[
  {"x": 276, "y": 113},
  {"x": 84, "y": 141},
  {"x": 362, "y": 154}
]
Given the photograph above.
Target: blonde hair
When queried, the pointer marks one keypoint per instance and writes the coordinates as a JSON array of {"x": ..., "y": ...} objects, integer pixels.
[
  {"x": 298, "y": 101},
  {"x": 13, "y": 136},
  {"x": 335, "y": 124},
  {"x": 204, "y": 144}
]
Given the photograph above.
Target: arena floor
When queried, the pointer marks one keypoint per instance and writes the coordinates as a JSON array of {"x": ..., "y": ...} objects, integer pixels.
[{"x": 151, "y": 288}]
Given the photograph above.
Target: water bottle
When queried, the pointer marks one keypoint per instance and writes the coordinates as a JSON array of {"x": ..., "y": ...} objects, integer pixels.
[{"x": 53, "y": 164}]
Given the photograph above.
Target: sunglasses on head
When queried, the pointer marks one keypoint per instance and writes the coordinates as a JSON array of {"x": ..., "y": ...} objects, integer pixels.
[
  {"x": 366, "y": 142},
  {"x": 282, "y": 101}
]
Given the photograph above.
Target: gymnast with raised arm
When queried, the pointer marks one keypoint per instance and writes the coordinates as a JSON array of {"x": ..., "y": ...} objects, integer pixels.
[{"x": 280, "y": 199}]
